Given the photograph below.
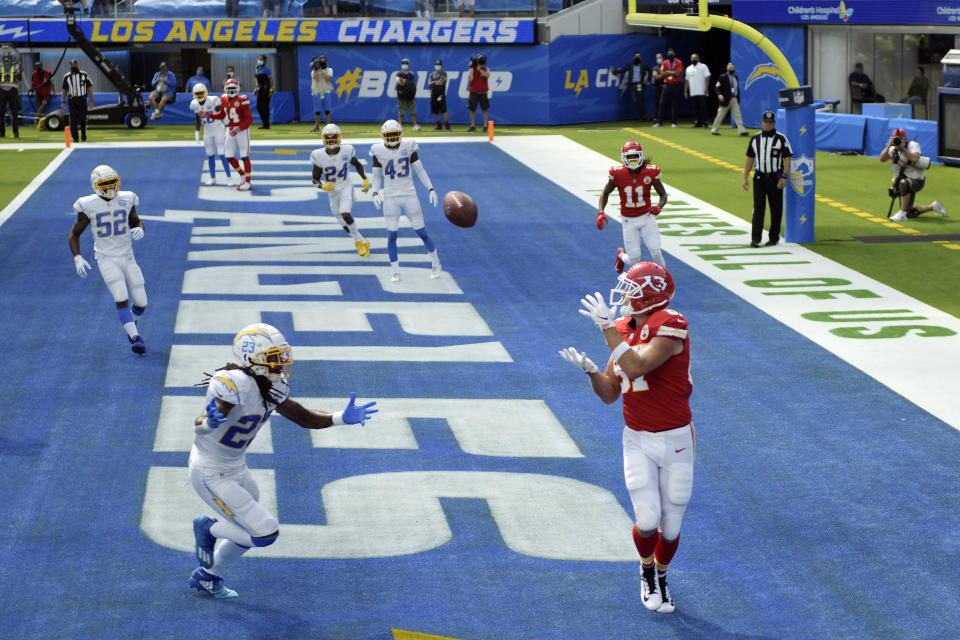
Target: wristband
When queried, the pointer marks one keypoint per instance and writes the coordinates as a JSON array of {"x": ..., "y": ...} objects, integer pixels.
[
  {"x": 337, "y": 418},
  {"x": 619, "y": 350}
]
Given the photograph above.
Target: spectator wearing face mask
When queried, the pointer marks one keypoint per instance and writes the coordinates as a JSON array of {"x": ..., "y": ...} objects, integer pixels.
[
  {"x": 321, "y": 88},
  {"x": 657, "y": 85},
  {"x": 438, "y": 94},
  {"x": 264, "y": 91},
  {"x": 695, "y": 86},
  {"x": 229, "y": 73},
  {"x": 407, "y": 93},
  {"x": 728, "y": 95},
  {"x": 194, "y": 79},
  {"x": 672, "y": 71},
  {"x": 638, "y": 77},
  {"x": 164, "y": 90}
]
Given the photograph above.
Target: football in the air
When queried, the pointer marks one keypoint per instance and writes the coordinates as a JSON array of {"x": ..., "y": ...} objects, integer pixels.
[{"x": 460, "y": 209}]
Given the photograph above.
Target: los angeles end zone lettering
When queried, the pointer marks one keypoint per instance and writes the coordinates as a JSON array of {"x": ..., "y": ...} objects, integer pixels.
[{"x": 579, "y": 517}]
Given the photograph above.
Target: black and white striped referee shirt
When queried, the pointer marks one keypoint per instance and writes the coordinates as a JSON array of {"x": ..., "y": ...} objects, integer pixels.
[
  {"x": 76, "y": 83},
  {"x": 769, "y": 152}
]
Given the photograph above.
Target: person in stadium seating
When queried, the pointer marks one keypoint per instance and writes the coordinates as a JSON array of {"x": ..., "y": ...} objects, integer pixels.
[
  {"x": 164, "y": 90},
  {"x": 861, "y": 87},
  {"x": 240, "y": 396},
  {"x": 197, "y": 77},
  {"x": 271, "y": 6},
  {"x": 649, "y": 367},
  {"x": 463, "y": 7}
]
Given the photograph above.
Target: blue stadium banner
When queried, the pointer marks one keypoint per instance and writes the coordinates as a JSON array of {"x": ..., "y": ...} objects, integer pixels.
[
  {"x": 925, "y": 12},
  {"x": 567, "y": 81},
  {"x": 799, "y": 125},
  {"x": 760, "y": 77},
  {"x": 303, "y": 31}
]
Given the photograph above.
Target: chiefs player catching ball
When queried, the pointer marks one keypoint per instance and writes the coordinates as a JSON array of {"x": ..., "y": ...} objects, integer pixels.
[
  {"x": 634, "y": 180},
  {"x": 650, "y": 367}
]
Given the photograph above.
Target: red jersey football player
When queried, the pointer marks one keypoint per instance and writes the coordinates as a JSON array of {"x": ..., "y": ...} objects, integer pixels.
[
  {"x": 650, "y": 368},
  {"x": 236, "y": 112},
  {"x": 633, "y": 180}
]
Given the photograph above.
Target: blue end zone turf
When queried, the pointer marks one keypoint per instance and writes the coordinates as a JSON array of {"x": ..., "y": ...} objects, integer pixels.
[{"x": 822, "y": 506}]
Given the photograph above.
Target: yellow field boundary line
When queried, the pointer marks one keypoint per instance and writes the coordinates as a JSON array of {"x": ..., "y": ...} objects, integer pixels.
[{"x": 823, "y": 199}]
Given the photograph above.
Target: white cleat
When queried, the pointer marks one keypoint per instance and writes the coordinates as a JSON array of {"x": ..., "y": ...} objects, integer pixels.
[
  {"x": 650, "y": 592},
  {"x": 211, "y": 182},
  {"x": 938, "y": 207},
  {"x": 435, "y": 272},
  {"x": 668, "y": 606},
  {"x": 244, "y": 186},
  {"x": 395, "y": 277},
  {"x": 899, "y": 216}
]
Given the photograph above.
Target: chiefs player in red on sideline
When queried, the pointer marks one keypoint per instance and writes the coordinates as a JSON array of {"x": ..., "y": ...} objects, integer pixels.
[
  {"x": 650, "y": 367},
  {"x": 633, "y": 180},
  {"x": 236, "y": 112}
]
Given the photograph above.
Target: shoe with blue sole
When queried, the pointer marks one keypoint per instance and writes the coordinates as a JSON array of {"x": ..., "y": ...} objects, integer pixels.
[
  {"x": 204, "y": 540},
  {"x": 210, "y": 584}
]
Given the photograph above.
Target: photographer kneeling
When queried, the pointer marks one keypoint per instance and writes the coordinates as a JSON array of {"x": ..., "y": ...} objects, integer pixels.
[{"x": 909, "y": 175}]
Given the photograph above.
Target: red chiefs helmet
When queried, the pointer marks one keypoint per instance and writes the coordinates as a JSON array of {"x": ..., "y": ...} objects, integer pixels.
[
  {"x": 231, "y": 87},
  {"x": 631, "y": 153},
  {"x": 645, "y": 287}
]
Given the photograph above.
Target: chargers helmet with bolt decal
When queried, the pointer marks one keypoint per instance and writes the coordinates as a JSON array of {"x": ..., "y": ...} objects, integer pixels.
[
  {"x": 105, "y": 182},
  {"x": 391, "y": 131},
  {"x": 200, "y": 91},
  {"x": 331, "y": 136},
  {"x": 232, "y": 87},
  {"x": 631, "y": 153},
  {"x": 263, "y": 349},
  {"x": 644, "y": 288}
]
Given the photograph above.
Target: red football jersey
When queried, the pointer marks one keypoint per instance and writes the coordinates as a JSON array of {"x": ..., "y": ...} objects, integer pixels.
[
  {"x": 634, "y": 188},
  {"x": 236, "y": 111},
  {"x": 659, "y": 400}
]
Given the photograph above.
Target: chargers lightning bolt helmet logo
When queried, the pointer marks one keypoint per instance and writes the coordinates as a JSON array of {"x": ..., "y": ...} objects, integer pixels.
[{"x": 765, "y": 70}]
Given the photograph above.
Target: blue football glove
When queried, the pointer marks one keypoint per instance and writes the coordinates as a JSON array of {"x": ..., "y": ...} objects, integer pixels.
[
  {"x": 358, "y": 415},
  {"x": 214, "y": 417}
]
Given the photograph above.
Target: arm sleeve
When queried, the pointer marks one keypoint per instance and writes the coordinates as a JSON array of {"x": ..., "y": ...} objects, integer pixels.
[
  {"x": 422, "y": 174},
  {"x": 376, "y": 177}
]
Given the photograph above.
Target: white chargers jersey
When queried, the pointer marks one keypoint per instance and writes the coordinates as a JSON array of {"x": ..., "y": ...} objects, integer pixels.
[
  {"x": 227, "y": 444},
  {"x": 109, "y": 222},
  {"x": 397, "y": 168},
  {"x": 336, "y": 168},
  {"x": 206, "y": 111}
]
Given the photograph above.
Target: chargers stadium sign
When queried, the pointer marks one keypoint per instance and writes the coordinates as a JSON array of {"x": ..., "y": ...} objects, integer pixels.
[
  {"x": 926, "y": 12},
  {"x": 353, "y": 31}
]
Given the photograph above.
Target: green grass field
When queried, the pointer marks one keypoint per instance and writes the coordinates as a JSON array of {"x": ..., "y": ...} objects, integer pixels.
[{"x": 691, "y": 160}]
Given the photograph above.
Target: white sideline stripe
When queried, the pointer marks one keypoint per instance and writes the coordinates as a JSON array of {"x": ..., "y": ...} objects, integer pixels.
[
  {"x": 29, "y": 190},
  {"x": 922, "y": 370}
]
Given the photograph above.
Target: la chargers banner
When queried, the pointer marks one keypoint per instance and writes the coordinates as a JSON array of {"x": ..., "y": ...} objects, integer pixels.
[
  {"x": 761, "y": 80},
  {"x": 567, "y": 81},
  {"x": 306, "y": 31}
]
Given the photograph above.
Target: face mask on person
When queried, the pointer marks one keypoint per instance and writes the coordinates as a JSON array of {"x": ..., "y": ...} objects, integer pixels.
[
  {"x": 659, "y": 60},
  {"x": 918, "y": 74},
  {"x": 261, "y": 62},
  {"x": 731, "y": 70},
  {"x": 404, "y": 66},
  {"x": 694, "y": 62},
  {"x": 636, "y": 59},
  {"x": 437, "y": 67},
  {"x": 671, "y": 56}
]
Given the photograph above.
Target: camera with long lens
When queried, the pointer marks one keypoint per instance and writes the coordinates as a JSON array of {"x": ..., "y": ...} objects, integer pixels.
[{"x": 898, "y": 140}]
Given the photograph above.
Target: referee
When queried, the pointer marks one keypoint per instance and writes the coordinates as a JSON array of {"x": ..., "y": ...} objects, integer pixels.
[
  {"x": 770, "y": 151},
  {"x": 77, "y": 83}
]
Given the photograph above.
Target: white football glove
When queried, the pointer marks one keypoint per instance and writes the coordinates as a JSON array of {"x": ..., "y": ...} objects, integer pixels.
[
  {"x": 82, "y": 265},
  {"x": 377, "y": 200},
  {"x": 196, "y": 137},
  {"x": 579, "y": 359},
  {"x": 597, "y": 310},
  {"x": 434, "y": 200},
  {"x": 136, "y": 233}
]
